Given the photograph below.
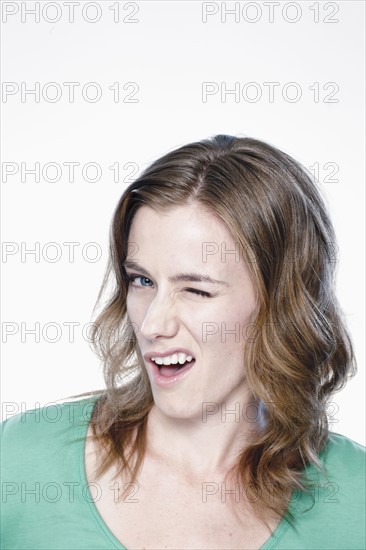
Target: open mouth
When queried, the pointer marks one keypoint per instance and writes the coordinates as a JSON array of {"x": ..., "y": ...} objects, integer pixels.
[{"x": 171, "y": 370}]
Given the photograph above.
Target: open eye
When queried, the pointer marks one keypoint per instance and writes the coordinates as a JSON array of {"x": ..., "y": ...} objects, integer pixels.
[{"x": 131, "y": 279}]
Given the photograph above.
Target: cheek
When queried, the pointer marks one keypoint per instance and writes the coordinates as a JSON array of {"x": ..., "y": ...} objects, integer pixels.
[
  {"x": 135, "y": 317},
  {"x": 135, "y": 308},
  {"x": 232, "y": 326},
  {"x": 236, "y": 312}
]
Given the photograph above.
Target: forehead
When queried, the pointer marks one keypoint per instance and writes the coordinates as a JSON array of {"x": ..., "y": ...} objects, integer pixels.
[
  {"x": 182, "y": 225},
  {"x": 184, "y": 237}
]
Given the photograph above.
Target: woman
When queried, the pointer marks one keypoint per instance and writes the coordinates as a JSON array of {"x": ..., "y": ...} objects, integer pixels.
[{"x": 222, "y": 344}]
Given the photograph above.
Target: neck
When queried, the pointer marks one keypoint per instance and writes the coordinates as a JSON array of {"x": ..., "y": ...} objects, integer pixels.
[{"x": 207, "y": 444}]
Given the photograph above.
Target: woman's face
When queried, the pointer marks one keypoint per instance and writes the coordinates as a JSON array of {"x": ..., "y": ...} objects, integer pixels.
[{"x": 167, "y": 313}]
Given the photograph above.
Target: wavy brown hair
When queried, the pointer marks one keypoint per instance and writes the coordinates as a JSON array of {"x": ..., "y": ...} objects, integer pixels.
[{"x": 300, "y": 351}]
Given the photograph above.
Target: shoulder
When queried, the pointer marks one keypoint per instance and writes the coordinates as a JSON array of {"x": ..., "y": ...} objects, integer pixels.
[
  {"x": 45, "y": 499},
  {"x": 31, "y": 435},
  {"x": 340, "y": 444},
  {"x": 342, "y": 472},
  {"x": 334, "y": 510},
  {"x": 344, "y": 458},
  {"x": 43, "y": 418},
  {"x": 332, "y": 513}
]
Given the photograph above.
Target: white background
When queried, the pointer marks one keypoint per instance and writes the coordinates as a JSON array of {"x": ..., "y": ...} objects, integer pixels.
[{"x": 168, "y": 51}]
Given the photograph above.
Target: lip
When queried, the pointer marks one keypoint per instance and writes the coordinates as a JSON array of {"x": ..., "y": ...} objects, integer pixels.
[{"x": 167, "y": 381}]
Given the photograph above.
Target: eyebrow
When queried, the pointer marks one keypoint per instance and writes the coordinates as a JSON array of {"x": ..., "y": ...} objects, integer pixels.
[{"x": 193, "y": 277}]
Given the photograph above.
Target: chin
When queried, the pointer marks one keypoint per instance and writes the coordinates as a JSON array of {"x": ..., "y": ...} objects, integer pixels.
[{"x": 179, "y": 411}]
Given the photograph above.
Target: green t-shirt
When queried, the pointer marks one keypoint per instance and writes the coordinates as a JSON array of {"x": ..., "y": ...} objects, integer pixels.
[{"x": 47, "y": 502}]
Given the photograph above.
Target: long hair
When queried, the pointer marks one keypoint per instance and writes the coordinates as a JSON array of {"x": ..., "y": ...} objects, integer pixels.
[{"x": 300, "y": 351}]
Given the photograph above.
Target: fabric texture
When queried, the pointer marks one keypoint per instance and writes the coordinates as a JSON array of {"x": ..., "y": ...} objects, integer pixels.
[{"x": 47, "y": 503}]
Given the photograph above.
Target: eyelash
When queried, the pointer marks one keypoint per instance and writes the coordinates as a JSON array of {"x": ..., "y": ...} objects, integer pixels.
[{"x": 130, "y": 279}]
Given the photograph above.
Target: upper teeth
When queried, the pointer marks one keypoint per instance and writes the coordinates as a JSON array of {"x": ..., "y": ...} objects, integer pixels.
[{"x": 180, "y": 358}]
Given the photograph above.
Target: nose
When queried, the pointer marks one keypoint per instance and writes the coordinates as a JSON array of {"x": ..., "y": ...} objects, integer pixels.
[{"x": 160, "y": 319}]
